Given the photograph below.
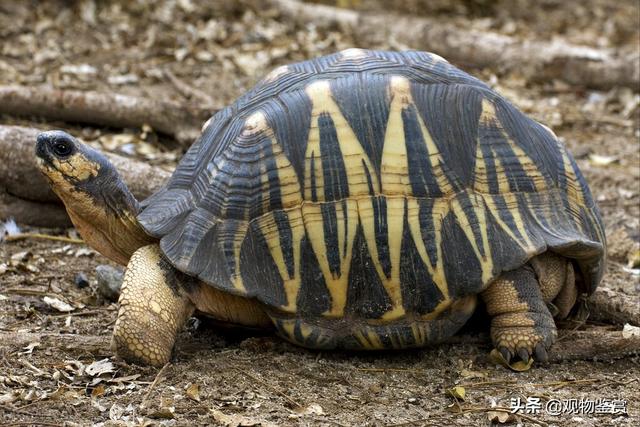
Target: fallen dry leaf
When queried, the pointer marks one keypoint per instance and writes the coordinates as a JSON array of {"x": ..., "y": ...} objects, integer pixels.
[
  {"x": 58, "y": 304},
  {"x": 598, "y": 160},
  {"x": 458, "y": 392},
  {"x": 193, "y": 392},
  {"x": 8, "y": 397},
  {"x": 469, "y": 374},
  {"x": 501, "y": 417},
  {"x": 630, "y": 331},
  {"x": 236, "y": 420},
  {"x": 100, "y": 367},
  {"x": 518, "y": 366},
  {"x": 634, "y": 259},
  {"x": 98, "y": 391},
  {"x": 165, "y": 412},
  {"x": 29, "y": 348},
  {"x": 311, "y": 409}
]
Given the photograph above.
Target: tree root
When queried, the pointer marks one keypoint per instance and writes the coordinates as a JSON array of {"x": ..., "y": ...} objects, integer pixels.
[
  {"x": 38, "y": 214},
  {"x": 182, "y": 122},
  {"x": 541, "y": 60},
  {"x": 594, "y": 344},
  {"x": 67, "y": 343},
  {"x": 607, "y": 305}
]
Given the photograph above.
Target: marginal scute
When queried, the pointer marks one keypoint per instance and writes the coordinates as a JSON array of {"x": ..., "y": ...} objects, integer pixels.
[
  {"x": 206, "y": 124},
  {"x": 353, "y": 53},
  {"x": 276, "y": 73},
  {"x": 311, "y": 190}
]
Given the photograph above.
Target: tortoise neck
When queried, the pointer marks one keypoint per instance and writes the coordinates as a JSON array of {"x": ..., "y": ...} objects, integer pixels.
[{"x": 104, "y": 213}]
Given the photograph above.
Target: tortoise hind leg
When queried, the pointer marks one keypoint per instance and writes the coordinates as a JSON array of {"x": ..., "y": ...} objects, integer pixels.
[
  {"x": 153, "y": 309},
  {"x": 557, "y": 282},
  {"x": 521, "y": 323}
]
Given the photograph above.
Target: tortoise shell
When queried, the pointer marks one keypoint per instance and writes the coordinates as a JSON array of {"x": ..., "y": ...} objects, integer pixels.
[{"x": 372, "y": 185}]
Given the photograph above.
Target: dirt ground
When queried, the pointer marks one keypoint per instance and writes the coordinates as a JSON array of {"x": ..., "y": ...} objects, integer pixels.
[{"x": 48, "y": 370}]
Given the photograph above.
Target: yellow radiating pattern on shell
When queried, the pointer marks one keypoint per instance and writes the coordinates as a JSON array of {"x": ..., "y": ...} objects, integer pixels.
[
  {"x": 358, "y": 166},
  {"x": 368, "y": 338},
  {"x": 394, "y": 165},
  {"x": 395, "y": 225},
  {"x": 438, "y": 212},
  {"x": 484, "y": 256},
  {"x": 290, "y": 197},
  {"x": 481, "y": 182},
  {"x": 269, "y": 229},
  {"x": 337, "y": 284},
  {"x": 360, "y": 176},
  {"x": 395, "y": 180},
  {"x": 238, "y": 238}
]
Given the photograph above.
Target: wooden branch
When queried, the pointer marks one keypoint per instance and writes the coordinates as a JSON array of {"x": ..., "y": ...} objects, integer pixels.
[
  {"x": 26, "y": 194},
  {"x": 594, "y": 344},
  {"x": 607, "y": 305},
  {"x": 33, "y": 213},
  {"x": 106, "y": 109},
  {"x": 68, "y": 343},
  {"x": 538, "y": 60}
]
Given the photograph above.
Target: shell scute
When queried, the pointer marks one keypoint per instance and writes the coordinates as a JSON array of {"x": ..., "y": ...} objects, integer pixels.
[{"x": 372, "y": 185}]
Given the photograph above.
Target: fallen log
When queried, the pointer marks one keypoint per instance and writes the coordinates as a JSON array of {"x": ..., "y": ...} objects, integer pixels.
[
  {"x": 68, "y": 343},
  {"x": 37, "y": 214},
  {"x": 538, "y": 60},
  {"x": 25, "y": 193},
  {"x": 594, "y": 344},
  {"x": 182, "y": 122},
  {"x": 609, "y": 306}
]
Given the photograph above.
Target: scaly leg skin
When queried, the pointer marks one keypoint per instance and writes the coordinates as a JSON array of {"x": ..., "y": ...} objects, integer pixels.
[
  {"x": 521, "y": 323},
  {"x": 557, "y": 282},
  {"x": 153, "y": 309}
]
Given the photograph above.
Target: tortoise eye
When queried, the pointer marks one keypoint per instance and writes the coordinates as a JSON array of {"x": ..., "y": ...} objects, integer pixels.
[{"x": 62, "y": 148}]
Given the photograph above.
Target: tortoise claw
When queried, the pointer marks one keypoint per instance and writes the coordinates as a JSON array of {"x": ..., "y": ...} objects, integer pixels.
[
  {"x": 506, "y": 354},
  {"x": 523, "y": 354},
  {"x": 540, "y": 353}
]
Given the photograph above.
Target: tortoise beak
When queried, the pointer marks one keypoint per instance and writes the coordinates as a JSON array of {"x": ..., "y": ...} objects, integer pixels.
[{"x": 42, "y": 142}]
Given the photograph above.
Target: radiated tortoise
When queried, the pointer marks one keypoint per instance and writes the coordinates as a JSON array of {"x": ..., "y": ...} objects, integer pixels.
[{"x": 361, "y": 200}]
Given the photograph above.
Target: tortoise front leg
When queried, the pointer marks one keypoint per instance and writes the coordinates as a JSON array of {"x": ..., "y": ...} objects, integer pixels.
[
  {"x": 153, "y": 309},
  {"x": 521, "y": 323}
]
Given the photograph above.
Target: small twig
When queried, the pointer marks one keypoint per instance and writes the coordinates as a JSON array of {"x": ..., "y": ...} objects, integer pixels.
[
  {"x": 183, "y": 122},
  {"x": 33, "y": 423},
  {"x": 187, "y": 90},
  {"x": 422, "y": 421},
  {"x": 483, "y": 383},
  {"x": 391, "y": 370},
  {"x": 258, "y": 380},
  {"x": 23, "y": 236},
  {"x": 28, "y": 365},
  {"x": 153, "y": 384},
  {"x": 81, "y": 313},
  {"x": 21, "y": 412},
  {"x": 559, "y": 384},
  {"x": 25, "y": 291},
  {"x": 505, "y": 410}
]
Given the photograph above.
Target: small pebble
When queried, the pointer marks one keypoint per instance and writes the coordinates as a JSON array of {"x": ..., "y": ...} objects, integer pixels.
[
  {"x": 109, "y": 281},
  {"x": 81, "y": 280}
]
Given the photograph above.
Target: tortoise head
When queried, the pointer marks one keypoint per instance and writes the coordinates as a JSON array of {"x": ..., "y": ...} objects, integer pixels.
[
  {"x": 98, "y": 202},
  {"x": 69, "y": 164}
]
